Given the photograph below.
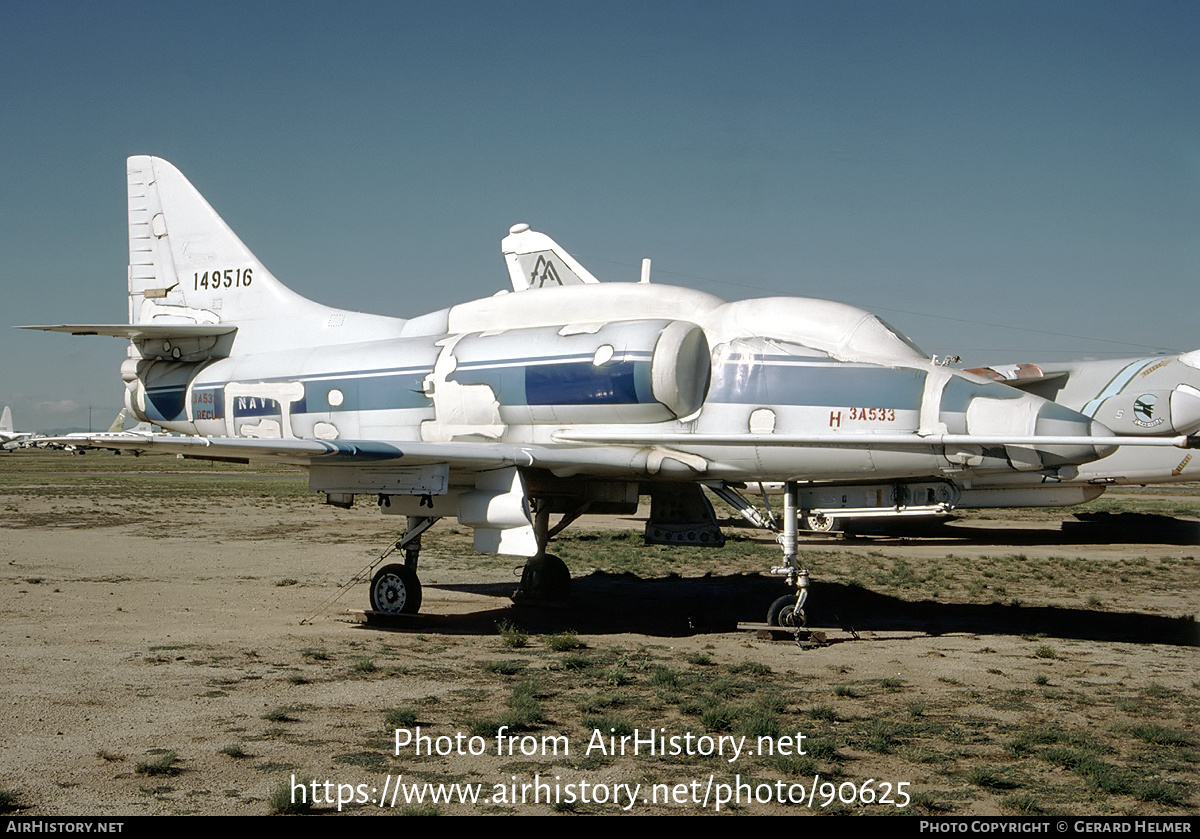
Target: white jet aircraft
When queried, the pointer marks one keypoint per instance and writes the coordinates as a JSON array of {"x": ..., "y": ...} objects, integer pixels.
[
  {"x": 564, "y": 396},
  {"x": 10, "y": 439}
]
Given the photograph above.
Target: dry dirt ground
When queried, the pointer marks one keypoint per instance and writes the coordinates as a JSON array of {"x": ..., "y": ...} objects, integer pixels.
[{"x": 170, "y": 648}]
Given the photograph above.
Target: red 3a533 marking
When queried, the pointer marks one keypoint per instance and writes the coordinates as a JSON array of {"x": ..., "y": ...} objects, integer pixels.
[{"x": 873, "y": 414}]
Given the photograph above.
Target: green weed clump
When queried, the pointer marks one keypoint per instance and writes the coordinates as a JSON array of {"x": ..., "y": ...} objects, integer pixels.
[
  {"x": 564, "y": 642},
  {"x": 513, "y": 637}
]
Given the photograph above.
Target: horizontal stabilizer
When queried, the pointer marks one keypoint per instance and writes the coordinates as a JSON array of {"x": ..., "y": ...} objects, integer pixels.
[{"x": 140, "y": 331}]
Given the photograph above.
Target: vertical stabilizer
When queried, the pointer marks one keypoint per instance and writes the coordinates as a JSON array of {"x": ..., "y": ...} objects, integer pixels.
[
  {"x": 535, "y": 260},
  {"x": 118, "y": 425},
  {"x": 186, "y": 266},
  {"x": 6, "y": 424}
]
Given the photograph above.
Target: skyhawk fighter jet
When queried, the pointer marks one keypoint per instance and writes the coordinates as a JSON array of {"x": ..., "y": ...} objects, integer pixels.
[{"x": 561, "y": 397}]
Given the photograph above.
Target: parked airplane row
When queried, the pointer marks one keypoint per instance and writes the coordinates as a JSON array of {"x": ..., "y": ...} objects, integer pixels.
[{"x": 567, "y": 396}]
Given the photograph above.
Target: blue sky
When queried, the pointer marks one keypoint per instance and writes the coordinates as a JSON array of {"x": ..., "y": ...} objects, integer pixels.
[{"x": 1006, "y": 181}]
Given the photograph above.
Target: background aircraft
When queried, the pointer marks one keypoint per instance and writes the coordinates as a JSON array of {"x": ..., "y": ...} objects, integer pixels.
[
  {"x": 10, "y": 439},
  {"x": 564, "y": 396}
]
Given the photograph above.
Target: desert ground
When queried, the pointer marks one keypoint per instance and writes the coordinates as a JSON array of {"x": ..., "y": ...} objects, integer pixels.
[{"x": 178, "y": 641}]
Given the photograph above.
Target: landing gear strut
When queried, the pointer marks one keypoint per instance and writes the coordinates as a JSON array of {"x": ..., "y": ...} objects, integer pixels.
[{"x": 788, "y": 611}]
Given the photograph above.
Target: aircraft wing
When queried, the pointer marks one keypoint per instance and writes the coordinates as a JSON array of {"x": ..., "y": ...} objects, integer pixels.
[
  {"x": 867, "y": 440},
  {"x": 578, "y": 451},
  {"x": 306, "y": 452}
]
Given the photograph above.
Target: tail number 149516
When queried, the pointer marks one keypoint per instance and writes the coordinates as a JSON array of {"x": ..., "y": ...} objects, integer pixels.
[{"x": 229, "y": 278}]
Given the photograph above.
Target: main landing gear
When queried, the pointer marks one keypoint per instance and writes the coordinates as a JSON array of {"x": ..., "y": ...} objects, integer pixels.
[
  {"x": 545, "y": 577},
  {"x": 395, "y": 588}
]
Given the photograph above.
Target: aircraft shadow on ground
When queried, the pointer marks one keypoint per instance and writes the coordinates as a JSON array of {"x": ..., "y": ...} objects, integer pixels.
[
  {"x": 1082, "y": 529},
  {"x": 610, "y": 604}
]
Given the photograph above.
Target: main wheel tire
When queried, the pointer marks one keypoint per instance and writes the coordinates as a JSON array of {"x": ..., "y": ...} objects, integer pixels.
[
  {"x": 783, "y": 613},
  {"x": 545, "y": 577},
  {"x": 395, "y": 590}
]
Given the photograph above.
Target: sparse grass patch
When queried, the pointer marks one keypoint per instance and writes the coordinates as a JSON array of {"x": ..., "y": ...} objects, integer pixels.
[
  {"x": 718, "y": 718},
  {"x": 821, "y": 748},
  {"x": 1158, "y": 735},
  {"x": 663, "y": 676},
  {"x": 1023, "y": 804},
  {"x": 699, "y": 659},
  {"x": 162, "y": 766},
  {"x": 506, "y": 667},
  {"x": 1156, "y": 791},
  {"x": 609, "y": 725},
  {"x": 1045, "y": 651},
  {"x": 564, "y": 641},
  {"x": 881, "y": 736},
  {"x": 281, "y": 802},
  {"x": 757, "y": 722},
  {"x": 315, "y": 654},
  {"x": 280, "y": 714},
  {"x": 795, "y": 765},
  {"x": 233, "y": 750},
  {"x": 1157, "y": 691},
  {"x": 823, "y": 713},
  {"x": 363, "y": 666},
  {"x": 400, "y": 717},
  {"x": 617, "y": 677},
  {"x": 988, "y": 777},
  {"x": 576, "y": 662},
  {"x": 287, "y": 581}
]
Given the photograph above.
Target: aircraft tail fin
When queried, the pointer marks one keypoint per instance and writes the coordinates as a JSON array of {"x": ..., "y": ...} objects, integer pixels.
[
  {"x": 118, "y": 424},
  {"x": 535, "y": 261},
  {"x": 6, "y": 423},
  {"x": 187, "y": 267}
]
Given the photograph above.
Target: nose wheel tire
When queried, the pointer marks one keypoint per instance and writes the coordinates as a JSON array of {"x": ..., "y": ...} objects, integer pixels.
[
  {"x": 395, "y": 590},
  {"x": 783, "y": 612}
]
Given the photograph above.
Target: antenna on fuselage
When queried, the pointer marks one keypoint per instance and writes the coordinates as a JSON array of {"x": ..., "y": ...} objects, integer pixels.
[{"x": 645, "y": 271}]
